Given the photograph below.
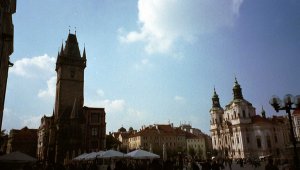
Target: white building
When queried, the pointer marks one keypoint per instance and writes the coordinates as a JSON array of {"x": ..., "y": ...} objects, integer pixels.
[
  {"x": 296, "y": 120},
  {"x": 237, "y": 131}
]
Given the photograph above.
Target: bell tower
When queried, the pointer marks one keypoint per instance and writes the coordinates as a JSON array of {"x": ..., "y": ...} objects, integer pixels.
[{"x": 70, "y": 67}]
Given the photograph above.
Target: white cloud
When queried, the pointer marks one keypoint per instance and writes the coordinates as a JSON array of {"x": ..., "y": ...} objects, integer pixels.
[
  {"x": 100, "y": 92},
  {"x": 50, "y": 91},
  {"x": 144, "y": 63},
  {"x": 111, "y": 106},
  {"x": 163, "y": 22},
  {"x": 118, "y": 112},
  {"x": 32, "y": 121},
  {"x": 34, "y": 67},
  {"x": 179, "y": 99},
  {"x": 12, "y": 120}
]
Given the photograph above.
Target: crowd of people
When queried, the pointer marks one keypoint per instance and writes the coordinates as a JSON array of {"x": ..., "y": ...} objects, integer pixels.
[{"x": 175, "y": 163}]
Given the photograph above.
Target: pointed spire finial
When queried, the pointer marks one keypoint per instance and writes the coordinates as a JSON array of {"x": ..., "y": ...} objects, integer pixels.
[
  {"x": 84, "y": 54},
  {"x": 62, "y": 48},
  {"x": 235, "y": 80},
  {"x": 75, "y": 30}
]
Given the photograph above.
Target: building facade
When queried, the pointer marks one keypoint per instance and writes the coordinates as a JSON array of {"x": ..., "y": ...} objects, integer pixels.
[
  {"x": 164, "y": 138},
  {"x": 73, "y": 128},
  {"x": 237, "y": 131},
  {"x": 23, "y": 140},
  {"x": 7, "y": 8},
  {"x": 155, "y": 137},
  {"x": 296, "y": 121}
]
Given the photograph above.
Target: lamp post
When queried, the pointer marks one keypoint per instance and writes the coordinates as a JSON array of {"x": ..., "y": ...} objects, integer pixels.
[{"x": 287, "y": 105}]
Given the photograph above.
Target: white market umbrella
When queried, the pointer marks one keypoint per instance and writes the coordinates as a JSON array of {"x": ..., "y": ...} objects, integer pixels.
[
  {"x": 112, "y": 154},
  {"x": 141, "y": 154},
  {"x": 17, "y": 157},
  {"x": 93, "y": 155},
  {"x": 80, "y": 157}
]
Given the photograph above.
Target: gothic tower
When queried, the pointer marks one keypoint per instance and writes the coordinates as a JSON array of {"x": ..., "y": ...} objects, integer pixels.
[{"x": 70, "y": 67}]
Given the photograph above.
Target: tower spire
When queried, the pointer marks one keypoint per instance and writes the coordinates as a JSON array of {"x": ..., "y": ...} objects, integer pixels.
[
  {"x": 263, "y": 112},
  {"x": 237, "y": 90},
  {"x": 215, "y": 99}
]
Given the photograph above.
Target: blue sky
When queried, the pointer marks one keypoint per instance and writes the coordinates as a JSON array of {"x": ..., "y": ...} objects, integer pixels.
[{"x": 155, "y": 61}]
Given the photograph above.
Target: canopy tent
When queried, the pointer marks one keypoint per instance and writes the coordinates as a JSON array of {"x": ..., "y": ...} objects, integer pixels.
[
  {"x": 112, "y": 154},
  {"x": 17, "y": 157},
  {"x": 141, "y": 154}
]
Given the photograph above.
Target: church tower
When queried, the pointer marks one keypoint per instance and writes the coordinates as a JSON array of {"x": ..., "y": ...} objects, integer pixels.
[
  {"x": 216, "y": 114},
  {"x": 70, "y": 67}
]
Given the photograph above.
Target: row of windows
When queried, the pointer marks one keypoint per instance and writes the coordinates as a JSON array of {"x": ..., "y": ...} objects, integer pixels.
[
  {"x": 163, "y": 138},
  {"x": 258, "y": 141},
  {"x": 233, "y": 116}
]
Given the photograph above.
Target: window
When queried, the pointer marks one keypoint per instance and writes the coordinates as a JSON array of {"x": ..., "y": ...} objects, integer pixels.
[
  {"x": 248, "y": 140},
  {"x": 94, "y": 144},
  {"x": 94, "y": 131},
  {"x": 244, "y": 114},
  {"x": 95, "y": 117},
  {"x": 275, "y": 138},
  {"x": 237, "y": 139},
  {"x": 258, "y": 141},
  {"x": 269, "y": 141}
]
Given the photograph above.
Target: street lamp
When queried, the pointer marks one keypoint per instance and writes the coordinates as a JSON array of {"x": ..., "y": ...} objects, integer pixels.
[{"x": 287, "y": 105}]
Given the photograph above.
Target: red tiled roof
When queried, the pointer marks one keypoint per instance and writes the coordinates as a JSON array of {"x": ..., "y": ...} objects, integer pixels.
[
  {"x": 257, "y": 119},
  {"x": 296, "y": 112},
  {"x": 166, "y": 130}
]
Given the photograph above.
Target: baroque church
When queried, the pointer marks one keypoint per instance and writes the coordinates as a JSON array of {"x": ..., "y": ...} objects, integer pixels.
[
  {"x": 238, "y": 132},
  {"x": 73, "y": 128}
]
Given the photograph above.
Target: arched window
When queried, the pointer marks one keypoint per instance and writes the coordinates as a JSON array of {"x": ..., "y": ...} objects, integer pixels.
[{"x": 244, "y": 114}]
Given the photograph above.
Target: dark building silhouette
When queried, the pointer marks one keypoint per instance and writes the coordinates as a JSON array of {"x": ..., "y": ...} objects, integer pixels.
[
  {"x": 23, "y": 140},
  {"x": 73, "y": 128},
  {"x": 7, "y": 8}
]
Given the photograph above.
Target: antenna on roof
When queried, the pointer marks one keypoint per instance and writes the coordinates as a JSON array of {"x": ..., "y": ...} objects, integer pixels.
[
  {"x": 69, "y": 29},
  {"x": 75, "y": 30}
]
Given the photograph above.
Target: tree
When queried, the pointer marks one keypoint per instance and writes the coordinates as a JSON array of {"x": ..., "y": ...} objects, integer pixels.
[{"x": 112, "y": 142}]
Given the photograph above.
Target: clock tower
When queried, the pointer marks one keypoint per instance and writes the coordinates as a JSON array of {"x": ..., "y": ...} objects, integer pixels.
[{"x": 70, "y": 67}]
